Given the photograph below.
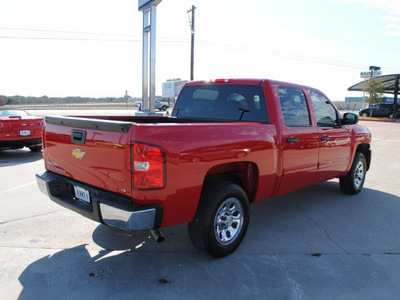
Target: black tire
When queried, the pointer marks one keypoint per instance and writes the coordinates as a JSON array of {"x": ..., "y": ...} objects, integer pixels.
[
  {"x": 221, "y": 219},
  {"x": 364, "y": 114},
  {"x": 352, "y": 183},
  {"x": 35, "y": 148},
  {"x": 164, "y": 108}
]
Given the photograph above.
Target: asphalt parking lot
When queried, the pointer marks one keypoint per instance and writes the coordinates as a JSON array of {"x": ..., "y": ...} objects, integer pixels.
[{"x": 316, "y": 243}]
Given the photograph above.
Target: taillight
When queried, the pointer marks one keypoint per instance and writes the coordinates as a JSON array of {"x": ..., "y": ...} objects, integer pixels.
[
  {"x": 148, "y": 167},
  {"x": 43, "y": 140}
]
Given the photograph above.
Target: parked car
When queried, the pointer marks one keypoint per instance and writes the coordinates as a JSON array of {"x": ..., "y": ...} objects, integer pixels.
[
  {"x": 379, "y": 110},
  {"x": 160, "y": 105},
  {"x": 226, "y": 144},
  {"x": 18, "y": 129}
]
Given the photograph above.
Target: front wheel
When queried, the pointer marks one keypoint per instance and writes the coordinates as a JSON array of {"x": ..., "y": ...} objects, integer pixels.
[
  {"x": 221, "y": 220},
  {"x": 353, "y": 181},
  {"x": 364, "y": 114}
]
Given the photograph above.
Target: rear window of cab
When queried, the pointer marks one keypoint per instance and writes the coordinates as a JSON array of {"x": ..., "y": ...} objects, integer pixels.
[{"x": 223, "y": 102}]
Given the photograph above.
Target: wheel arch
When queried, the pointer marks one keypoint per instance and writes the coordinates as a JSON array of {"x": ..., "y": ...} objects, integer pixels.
[
  {"x": 244, "y": 174},
  {"x": 366, "y": 150}
]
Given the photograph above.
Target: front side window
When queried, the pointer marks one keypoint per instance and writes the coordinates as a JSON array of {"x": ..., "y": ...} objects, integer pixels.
[
  {"x": 325, "y": 112},
  {"x": 294, "y": 107}
]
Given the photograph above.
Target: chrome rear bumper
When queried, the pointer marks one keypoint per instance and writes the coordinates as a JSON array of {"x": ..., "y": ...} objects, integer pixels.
[{"x": 104, "y": 207}]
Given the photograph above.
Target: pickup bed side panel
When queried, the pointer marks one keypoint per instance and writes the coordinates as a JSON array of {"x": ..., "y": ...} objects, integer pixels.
[{"x": 193, "y": 149}]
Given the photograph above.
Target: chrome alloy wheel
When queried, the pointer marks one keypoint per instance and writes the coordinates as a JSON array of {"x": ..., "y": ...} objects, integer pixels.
[
  {"x": 228, "y": 221},
  {"x": 359, "y": 174}
]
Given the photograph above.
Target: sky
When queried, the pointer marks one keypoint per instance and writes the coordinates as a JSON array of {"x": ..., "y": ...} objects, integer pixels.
[{"x": 93, "y": 48}]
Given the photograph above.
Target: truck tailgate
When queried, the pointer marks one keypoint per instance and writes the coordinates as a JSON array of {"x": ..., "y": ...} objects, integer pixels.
[{"x": 96, "y": 152}]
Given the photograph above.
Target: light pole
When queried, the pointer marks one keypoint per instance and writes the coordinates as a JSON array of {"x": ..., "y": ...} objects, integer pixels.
[
  {"x": 149, "y": 9},
  {"x": 192, "y": 44}
]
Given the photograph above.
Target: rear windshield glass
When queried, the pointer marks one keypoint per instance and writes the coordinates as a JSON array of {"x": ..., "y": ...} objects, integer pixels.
[
  {"x": 12, "y": 113},
  {"x": 222, "y": 102}
]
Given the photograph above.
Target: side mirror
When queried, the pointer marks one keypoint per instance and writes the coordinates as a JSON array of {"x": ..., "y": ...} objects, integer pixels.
[{"x": 350, "y": 118}]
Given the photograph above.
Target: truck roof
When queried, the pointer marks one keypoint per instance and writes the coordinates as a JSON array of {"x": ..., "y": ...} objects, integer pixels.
[{"x": 248, "y": 81}]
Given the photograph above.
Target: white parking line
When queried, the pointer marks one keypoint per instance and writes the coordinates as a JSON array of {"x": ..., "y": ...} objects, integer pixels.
[{"x": 17, "y": 187}]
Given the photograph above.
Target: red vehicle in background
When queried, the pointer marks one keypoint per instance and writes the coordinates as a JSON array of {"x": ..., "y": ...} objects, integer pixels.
[{"x": 18, "y": 129}]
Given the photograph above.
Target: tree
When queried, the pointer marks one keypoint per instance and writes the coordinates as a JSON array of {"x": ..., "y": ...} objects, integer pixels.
[
  {"x": 375, "y": 90},
  {"x": 2, "y": 100}
]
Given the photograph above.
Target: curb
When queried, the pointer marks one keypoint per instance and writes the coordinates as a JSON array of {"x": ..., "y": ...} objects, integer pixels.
[{"x": 385, "y": 121}]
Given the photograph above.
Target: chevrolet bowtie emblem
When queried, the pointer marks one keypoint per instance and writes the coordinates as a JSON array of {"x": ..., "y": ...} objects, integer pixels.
[{"x": 78, "y": 153}]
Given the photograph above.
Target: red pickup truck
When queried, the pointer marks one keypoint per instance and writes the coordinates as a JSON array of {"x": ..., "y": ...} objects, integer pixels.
[{"x": 227, "y": 143}]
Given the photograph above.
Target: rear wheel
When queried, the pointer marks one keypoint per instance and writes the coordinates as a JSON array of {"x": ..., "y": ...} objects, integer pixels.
[
  {"x": 221, "y": 219},
  {"x": 35, "y": 148},
  {"x": 352, "y": 183}
]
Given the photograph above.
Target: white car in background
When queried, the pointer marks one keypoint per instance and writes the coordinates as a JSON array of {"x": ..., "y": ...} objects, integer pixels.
[{"x": 160, "y": 105}]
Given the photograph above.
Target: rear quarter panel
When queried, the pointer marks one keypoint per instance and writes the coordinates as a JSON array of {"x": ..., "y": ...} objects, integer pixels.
[{"x": 193, "y": 149}]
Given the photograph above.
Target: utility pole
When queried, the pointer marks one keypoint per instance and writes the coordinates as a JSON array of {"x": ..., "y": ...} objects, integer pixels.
[{"x": 192, "y": 43}]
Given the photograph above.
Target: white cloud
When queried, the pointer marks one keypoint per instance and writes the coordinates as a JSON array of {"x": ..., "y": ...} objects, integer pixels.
[
  {"x": 393, "y": 30},
  {"x": 390, "y": 6},
  {"x": 391, "y": 18},
  {"x": 393, "y": 26},
  {"x": 392, "y": 33}
]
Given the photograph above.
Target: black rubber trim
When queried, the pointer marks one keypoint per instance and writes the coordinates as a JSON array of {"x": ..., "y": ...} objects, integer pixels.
[{"x": 83, "y": 123}]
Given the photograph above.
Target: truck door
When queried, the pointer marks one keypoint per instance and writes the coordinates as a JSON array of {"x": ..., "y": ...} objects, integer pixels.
[
  {"x": 300, "y": 141},
  {"x": 334, "y": 140}
]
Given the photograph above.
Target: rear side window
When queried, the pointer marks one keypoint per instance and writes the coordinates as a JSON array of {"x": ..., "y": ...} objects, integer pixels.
[
  {"x": 294, "y": 107},
  {"x": 326, "y": 114},
  {"x": 222, "y": 102}
]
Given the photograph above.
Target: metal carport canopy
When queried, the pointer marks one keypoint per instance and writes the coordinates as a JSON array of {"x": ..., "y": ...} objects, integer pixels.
[{"x": 390, "y": 83}]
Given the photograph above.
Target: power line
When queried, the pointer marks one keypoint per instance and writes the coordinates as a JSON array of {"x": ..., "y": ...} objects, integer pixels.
[
  {"x": 86, "y": 39},
  {"x": 134, "y": 39},
  {"x": 66, "y": 39},
  {"x": 131, "y": 38},
  {"x": 64, "y": 31},
  {"x": 297, "y": 57}
]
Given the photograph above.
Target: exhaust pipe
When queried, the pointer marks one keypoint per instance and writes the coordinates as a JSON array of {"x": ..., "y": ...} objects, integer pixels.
[{"x": 157, "y": 235}]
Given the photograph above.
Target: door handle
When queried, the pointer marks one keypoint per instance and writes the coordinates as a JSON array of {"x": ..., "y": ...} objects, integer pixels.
[
  {"x": 292, "y": 140},
  {"x": 78, "y": 137},
  {"x": 325, "y": 138}
]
